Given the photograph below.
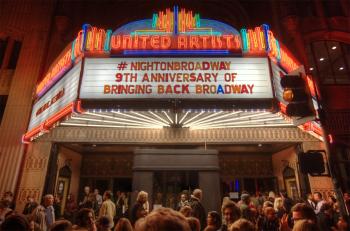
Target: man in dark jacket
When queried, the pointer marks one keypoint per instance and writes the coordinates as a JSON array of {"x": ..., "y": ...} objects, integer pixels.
[{"x": 198, "y": 210}]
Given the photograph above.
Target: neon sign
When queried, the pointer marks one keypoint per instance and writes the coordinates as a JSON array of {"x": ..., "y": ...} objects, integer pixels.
[{"x": 170, "y": 32}]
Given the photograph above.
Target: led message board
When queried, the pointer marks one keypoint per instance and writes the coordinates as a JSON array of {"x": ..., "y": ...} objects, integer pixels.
[
  {"x": 178, "y": 78},
  {"x": 64, "y": 92}
]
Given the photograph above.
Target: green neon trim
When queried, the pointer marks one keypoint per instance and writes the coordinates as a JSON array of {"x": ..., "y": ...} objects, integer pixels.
[
  {"x": 154, "y": 20},
  {"x": 245, "y": 40},
  {"x": 106, "y": 46}
]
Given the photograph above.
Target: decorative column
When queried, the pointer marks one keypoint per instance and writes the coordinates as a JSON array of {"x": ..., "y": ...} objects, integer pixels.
[{"x": 34, "y": 173}]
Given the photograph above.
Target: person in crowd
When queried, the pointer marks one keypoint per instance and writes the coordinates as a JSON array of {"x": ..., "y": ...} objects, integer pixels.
[
  {"x": 4, "y": 209},
  {"x": 163, "y": 219},
  {"x": 146, "y": 205},
  {"x": 121, "y": 204},
  {"x": 57, "y": 206},
  {"x": 33, "y": 226},
  {"x": 198, "y": 210},
  {"x": 9, "y": 196},
  {"x": 318, "y": 201},
  {"x": 299, "y": 211},
  {"x": 287, "y": 201},
  {"x": 138, "y": 211},
  {"x": 16, "y": 222},
  {"x": 272, "y": 196},
  {"x": 305, "y": 225},
  {"x": 230, "y": 213},
  {"x": 325, "y": 218},
  {"x": 98, "y": 197},
  {"x": 44, "y": 214},
  {"x": 213, "y": 221},
  {"x": 85, "y": 196},
  {"x": 246, "y": 211},
  {"x": 70, "y": 209},
  {"x": 159, "y": 199},
  {"x": 183, "y": 201},
  {"x": 279, "y": 208},
  {"x": 194, "y": 223},
  {"x": 186, "y": 211},
  {"x": 346, "y": 196},
  {"x": 90, "y": 203},
  {"x": 268, "y": 221},
  {"x": 29, "y": 206},
  {"x": 242, "y": 225},
  {"x": 62, "y": 225},
  {"x": 123, "y": 225},
  {"x": 310, "y": 201},
  {"x": 108, "y": 207},
  {"x": 85, "y": 220},
  {"x": 104, "y": 223},
  {"x": 342, "y": 225}
]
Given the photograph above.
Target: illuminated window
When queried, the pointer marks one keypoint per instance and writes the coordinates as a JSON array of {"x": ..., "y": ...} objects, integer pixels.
[
  {"x": 330, "y": 62},
  {"x": 3, "y": 45},
  {"x": 3, "y": 101},
  {"x": 14, "y": 55}
]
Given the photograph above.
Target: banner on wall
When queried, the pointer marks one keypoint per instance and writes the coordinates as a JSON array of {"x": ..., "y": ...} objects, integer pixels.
[{"x": 176, "y": 78}]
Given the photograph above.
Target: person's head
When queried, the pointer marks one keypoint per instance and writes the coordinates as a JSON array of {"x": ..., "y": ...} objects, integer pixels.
[
  {"x": 48, "y": 200},
  {"x": 197, "y": 193},
  {"x": 8, "y": 194},
  {"x": 85, "y": 217},
  {"x": 242, "y": 225},
  {"x": 214, "y": 219},
  {"x": 62, "y": 225},
  {"x": 303, "y": 211},
  {"x": 104, "y": 223},
  {"x": 194, "y": 223},
  {"x": 15, "y": 222},
  {"x": 309, "y": 196},
  {"x": 268, "y": 204},
  {"x": 70, "y": 197},
  {"x": 86, "y": 190},
  {"x": 142, "y": 197},
  {"x": 327, "y": 208},
  {"x": 186, "y": 211},
  {"x": 96, "y": 191},
  {"x": 163, "y": 219},
  {"x": 331, "y": 199},
  {"x": 123, "y": 225},
  {"x": 317, "y": 196},
  {"x": 245, "y": 198},
  {"x": 270, "y": 213},
  {"x": 346, "y": 196},
  {"x": 30, "y": 199},
  {"x": 107, "y": 195},
  {"x": 5, "y": 204},
  {"x": 183, "y": 197},
  {"x": 278, "y": 204},
  {"x": 305, "y": 225},
  {"x": 230, "y": 212}
]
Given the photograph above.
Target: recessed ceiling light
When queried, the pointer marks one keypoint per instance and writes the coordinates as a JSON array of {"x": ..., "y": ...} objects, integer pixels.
[
  {"x": 341, "y": 68},
  {"x": 311, "y": 68},
  {"x": 334, "y": 47},
  {"x": 321, "y": 59}
]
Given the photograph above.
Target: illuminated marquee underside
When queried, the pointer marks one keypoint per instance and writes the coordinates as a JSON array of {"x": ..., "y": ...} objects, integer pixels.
[{"x": 186, "y": 119}]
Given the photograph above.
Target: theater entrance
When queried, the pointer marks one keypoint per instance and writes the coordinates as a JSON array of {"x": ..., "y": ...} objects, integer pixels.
[{"x": 169, "y": 185}]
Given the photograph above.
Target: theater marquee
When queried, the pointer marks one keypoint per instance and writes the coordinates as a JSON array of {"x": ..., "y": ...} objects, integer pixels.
[{"x": 182, "y": 78}]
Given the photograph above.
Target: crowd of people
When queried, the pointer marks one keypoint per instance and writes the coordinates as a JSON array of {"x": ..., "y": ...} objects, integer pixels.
[{"x": 94, "y": 212}]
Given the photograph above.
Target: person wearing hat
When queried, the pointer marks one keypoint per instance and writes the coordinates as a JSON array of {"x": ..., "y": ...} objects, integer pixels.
[{"x": 244, "y": 205}]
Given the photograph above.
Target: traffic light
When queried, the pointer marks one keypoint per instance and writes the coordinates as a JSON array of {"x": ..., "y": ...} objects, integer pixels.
[
  {"x": 297, "y": 96},
  {"x": 312, "y": 162}
]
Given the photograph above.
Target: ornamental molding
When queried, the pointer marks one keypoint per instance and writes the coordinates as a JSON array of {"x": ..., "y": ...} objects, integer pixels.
[{"x": 176, "y": 135}]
